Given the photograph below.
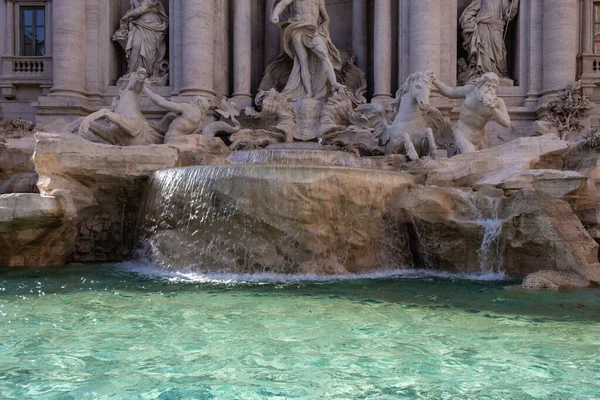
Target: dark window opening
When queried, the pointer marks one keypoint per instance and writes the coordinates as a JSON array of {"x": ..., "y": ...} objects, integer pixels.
[{"x": 33, "y": 31}]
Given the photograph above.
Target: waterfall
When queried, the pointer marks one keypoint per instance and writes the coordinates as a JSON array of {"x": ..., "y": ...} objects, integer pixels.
[
  {"x": 285, "y": 219},
  {"x": 487, "y": 216},
  {"x": 491, "y": 258}
]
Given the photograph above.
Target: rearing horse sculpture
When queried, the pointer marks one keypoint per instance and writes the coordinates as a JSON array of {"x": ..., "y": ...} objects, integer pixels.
[{"x": 412, "y": 129}]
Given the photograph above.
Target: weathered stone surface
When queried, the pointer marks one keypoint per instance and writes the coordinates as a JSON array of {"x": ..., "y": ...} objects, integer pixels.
[
  {"x": 556, "y": 280},
  {"x": 100, "y": 186},
  {"x": 307, "y": 157},
  {"x": 447, "y": 229},
  {"x": 25, "y": 182},
  {"x": 558, "y": 184},
  {"x": 199, "y": 150},
  {"x": 543, "y": 233},
  {"x": 287, "y": 219},
  {"x": 492, "y": 166},
  {"x": 32, "y": 232},
  {"x": 15, "y": 156}
]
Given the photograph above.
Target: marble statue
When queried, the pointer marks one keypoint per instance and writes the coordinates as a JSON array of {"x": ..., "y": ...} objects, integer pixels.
[
  {"x": 125, "y": 125},
  {"x": 480, "y": 106},
  {"x": 306, "y": 39},
  {"x": 183, "y": 118},
  {"x": 409, "y": 132},
  {"x": 484, "y": 24},
  {"x": 142, "y": 34}
]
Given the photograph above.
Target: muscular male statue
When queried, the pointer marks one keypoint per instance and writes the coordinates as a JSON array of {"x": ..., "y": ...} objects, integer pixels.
[
  {"x": 480, "y": 106},
  {"x": 187, "y": 117},
  {"x": 307, "y": 41}
]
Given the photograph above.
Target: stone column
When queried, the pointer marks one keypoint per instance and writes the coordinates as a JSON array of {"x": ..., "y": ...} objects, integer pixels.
[
  {"x": 69, "y": 64},
  {"x": 588, "y": 27},
  {"x": 198, "y": 20},
  {"x": 560, "y": 22},
  {"x": 359, "y": 33},
  {"x": 242, "y": 52},
  {"x": 272, "y": 35},
  {"x": 382, "y": 52},
  {"x": 10, "y": 28},
  {"x": 425, "y": 23},
  {"x": 49, "y": 34}
]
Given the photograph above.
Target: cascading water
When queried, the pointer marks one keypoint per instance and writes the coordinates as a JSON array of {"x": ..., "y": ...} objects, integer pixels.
[
  {"x": 275, "y": 218},
  {"x": 490, "y": 253}
]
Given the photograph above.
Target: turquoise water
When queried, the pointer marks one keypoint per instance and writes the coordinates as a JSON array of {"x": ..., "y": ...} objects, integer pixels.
[{"x": 113, "y": 332}]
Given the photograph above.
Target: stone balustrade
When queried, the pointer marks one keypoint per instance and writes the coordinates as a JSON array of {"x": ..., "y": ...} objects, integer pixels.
[{"x": 18, "y": 70}]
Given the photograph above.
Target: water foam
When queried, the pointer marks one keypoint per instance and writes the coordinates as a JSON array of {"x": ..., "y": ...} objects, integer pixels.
[{"x": 191, "y": 276}]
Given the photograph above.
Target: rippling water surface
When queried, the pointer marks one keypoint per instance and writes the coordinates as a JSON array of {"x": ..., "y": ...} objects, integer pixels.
[{"x": 123, "y": 332}]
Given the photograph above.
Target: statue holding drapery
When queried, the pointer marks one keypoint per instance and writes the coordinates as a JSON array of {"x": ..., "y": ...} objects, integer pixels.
[
  {"x": 484, "y": 24},
  {"x": 143, "y": 35},
  {"x": 306, "y": 40}
]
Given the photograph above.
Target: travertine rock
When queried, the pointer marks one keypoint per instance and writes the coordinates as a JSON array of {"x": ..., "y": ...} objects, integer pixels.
[
  {"x": 543, "y": 233},
  {"x": 556, "y": 280},
  {"x": 32, "y": 231},
  {"x": 15, "y": 156},
  {"x": 492, "y": 166},
  {"x": 20, "y": 183},
  {"x": 199, "y": 150},
  {"x": 100, "y": 186},
  {"x": 287, "y": 219}
]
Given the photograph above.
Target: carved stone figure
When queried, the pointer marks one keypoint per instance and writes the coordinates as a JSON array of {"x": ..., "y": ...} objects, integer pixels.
[
  {"x": 480, "y": 106},
  {"x": 306, "y": 39},
  {"x": 142, "y": 34},
  {"x": 484, "y": 24},
  {"x": 409, "y": 132},
  {"x": 183, "y": 118},
  {"x": 568, "y": 111},
  {"x": 126, "y": 125}
]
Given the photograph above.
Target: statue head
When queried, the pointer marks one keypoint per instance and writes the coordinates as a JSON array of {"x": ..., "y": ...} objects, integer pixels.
[
  {"x": 141, "y": 74},
  {"x": 487, "y": 84},
  {"x": 201, "y": 102},
  {"x": 419, "y": 85}
]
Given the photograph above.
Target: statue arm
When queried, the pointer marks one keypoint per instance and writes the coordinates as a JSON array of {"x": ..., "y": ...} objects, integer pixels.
[
  {"x": 137, "y": 12},
  {"x": 510, "y": 9},
  {"x": 468, "y": 19},
  {"x": 500, "y": 114},
  {"x": 282, "y": 5},
  {"x": 161, "y": 102},
  {"x": 452, "y": 93},
  {"x": 324, "y": 13}
]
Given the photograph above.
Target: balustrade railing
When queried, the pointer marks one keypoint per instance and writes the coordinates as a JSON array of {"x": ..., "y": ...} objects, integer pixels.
[{"x": 26, "y": 69}]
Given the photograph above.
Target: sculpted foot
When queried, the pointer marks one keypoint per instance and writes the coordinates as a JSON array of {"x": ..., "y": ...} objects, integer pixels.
[{"x": 336, "y": 86}]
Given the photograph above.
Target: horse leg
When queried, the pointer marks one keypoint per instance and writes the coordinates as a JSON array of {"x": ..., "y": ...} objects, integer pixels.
[
  {"x": 87, "y": 121},
  {"x": 105, "y": 132},
  {"x": 126, "y": 124},
  {"x": 411, "y": 152},
  {"x": 431, "y": 143}
]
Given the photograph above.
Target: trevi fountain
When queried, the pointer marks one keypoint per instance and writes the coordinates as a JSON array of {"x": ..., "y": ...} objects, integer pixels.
[{"x": 300, "y": 199}]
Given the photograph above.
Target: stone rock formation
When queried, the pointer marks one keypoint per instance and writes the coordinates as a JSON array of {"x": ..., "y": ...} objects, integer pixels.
[
  {"x": 32, "y": 231},
  {"x": 90, "y": 196}
]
